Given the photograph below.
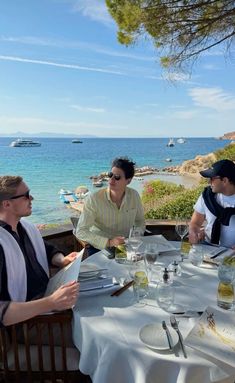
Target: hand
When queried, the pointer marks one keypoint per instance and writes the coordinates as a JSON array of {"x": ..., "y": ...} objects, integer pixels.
[
  {"x": 64, "y": 297},
  {"x": 114, "y": 242},
  {"x": 196, "y": 236},
  {"x": 69, "y": 258}
]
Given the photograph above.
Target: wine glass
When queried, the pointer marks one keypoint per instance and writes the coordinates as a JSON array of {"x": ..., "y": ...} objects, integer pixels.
[
  {"x": 181, "y": 229},
  {"x": 134, "y": 239}
]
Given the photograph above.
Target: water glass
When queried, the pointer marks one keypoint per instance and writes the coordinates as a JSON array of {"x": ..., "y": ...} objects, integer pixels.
[
  {"x": 165, "y": 295},
  {"x": 139, "y": 276},
  {"x": 120, "y": 254},
  {"x": 196, "y": 255}
]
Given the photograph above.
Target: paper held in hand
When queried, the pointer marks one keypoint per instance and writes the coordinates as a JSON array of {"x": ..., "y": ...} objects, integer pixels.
[{"x": 69, "y": 273}]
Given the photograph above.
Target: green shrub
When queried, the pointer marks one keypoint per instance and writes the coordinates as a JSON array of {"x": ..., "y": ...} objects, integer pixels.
[
  {"x": 227, "y": 152},
  {"x": 157, "y": 189},
  {"x": 177, "y": 201}
]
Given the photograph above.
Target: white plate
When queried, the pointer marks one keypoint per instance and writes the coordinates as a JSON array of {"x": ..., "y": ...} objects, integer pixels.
[
  {"x": 162, "y": 244},
  {"x": 153, "y": 336}
]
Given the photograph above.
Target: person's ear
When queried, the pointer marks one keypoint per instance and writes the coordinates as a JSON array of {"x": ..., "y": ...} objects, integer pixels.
[
  {"x": 5, "y": 203},
  {"x": 129, "y": 181}
]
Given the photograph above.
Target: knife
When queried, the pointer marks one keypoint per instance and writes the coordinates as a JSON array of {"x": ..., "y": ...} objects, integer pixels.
[
  {"x": 97, "y": 287},
  {"x": 219, "y": 253},
  {"x": 168, "y": 335}
]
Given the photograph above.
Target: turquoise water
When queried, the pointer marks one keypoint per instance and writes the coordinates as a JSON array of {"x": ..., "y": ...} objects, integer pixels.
[{"x": 60, "y": 164}]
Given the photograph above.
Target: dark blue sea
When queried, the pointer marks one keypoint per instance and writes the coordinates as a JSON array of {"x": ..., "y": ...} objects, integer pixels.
[{"x": 58, "y": 163}]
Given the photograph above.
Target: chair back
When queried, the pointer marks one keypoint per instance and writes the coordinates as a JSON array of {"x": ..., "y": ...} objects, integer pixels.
[{"x": 37, "y": 350}]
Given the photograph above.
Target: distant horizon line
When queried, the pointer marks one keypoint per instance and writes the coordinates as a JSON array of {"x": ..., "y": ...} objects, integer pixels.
[{"x": 103, "y": 137}]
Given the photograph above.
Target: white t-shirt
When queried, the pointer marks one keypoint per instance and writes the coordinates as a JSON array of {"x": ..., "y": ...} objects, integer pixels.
[{"x": 227, "y": 235}]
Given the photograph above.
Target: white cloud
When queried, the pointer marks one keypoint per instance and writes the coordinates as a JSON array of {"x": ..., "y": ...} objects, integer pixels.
[
  {"x": 94, "y": 9},
  {"x": 66, "y": 66},
  {"x": 87, "y": 109},
  {"x": 36, "y": 41},
  {"x": 214, "y": 98}
]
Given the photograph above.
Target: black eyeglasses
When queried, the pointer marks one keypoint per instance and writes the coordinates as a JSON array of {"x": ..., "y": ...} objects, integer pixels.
[
  {"x": 26, "y": 195},
  {"x": 117, "y": 177}
]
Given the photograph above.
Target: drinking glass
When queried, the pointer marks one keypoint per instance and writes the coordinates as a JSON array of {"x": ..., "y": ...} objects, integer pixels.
[
  {"x": 181, "y": 229},
  {"x": 165, "y": 295},
  {"x": 225, "y": 292},
  {"x": 150, "y": 256},
  {"x": 135, "y": 244},
  {"x": 140, "y": 287}
]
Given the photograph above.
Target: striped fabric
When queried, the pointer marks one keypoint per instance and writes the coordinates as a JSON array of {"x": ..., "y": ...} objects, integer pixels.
[{"x": 101, "y": 219}]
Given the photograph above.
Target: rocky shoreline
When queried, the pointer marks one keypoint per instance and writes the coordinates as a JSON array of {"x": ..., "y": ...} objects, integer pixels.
[{"x": 189, "y": 167}]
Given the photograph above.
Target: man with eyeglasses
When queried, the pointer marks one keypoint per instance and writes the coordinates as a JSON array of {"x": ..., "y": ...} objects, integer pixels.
[
  {"x": 216, "y": 205},
  {"x": 24, "y": 259},
  {"x": 110, "y": 213}
]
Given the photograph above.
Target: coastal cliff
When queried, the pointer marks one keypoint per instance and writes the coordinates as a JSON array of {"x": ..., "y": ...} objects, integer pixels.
[
  {"x": 194, "y": 166},
  {"x": 228, "y": 136}
]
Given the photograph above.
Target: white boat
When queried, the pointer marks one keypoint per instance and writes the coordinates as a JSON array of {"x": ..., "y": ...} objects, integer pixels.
[
  {"x": 24, "y": 143},
  {"x": 168, "y": 160},
  {"x": 181, "y": 140},
  {"x": 170, "y": 142},
  {"x": 98, "y": 183}
]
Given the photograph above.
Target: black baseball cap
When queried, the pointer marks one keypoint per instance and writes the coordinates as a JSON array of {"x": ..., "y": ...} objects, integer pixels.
[{"x": 223, "y": 168}]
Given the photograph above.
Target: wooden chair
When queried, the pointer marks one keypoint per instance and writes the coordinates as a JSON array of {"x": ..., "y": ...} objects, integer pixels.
[{"x": 28, "y": 360}]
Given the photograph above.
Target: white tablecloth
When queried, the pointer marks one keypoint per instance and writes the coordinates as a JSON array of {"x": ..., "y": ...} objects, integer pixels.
[{"x": 106, "y": 331}]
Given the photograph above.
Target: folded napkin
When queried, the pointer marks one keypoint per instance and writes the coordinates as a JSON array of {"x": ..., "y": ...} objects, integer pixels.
[{"x": 95, "y": 284}]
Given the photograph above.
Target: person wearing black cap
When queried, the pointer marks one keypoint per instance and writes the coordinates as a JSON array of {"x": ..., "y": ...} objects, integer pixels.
[{"x": 216, "y": 205}]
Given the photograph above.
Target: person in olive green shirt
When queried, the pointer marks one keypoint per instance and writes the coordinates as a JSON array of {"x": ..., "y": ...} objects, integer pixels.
[{"x": 110, "y": 213}]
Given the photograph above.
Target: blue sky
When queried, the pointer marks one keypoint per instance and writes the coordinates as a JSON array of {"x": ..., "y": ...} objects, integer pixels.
[{"x": 63, "y": 71}]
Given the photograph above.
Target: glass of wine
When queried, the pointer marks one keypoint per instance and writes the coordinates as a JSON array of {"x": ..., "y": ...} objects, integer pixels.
[
  {"x": 181, "y": 229},
  {"x": 135, "y": 240}
]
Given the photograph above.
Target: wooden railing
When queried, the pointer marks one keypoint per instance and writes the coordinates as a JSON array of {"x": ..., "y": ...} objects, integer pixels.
[{"x": 63, "y": 237}]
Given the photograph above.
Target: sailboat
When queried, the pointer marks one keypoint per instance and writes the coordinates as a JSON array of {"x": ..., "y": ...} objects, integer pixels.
[{"x": 170, "y": 142}]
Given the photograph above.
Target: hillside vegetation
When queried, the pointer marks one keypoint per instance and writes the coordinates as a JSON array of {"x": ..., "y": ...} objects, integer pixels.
[{"x": 166, "y": 200}]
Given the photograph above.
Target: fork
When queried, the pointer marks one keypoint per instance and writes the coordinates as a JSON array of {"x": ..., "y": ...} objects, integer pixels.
[{"x": 174, "y": 325}]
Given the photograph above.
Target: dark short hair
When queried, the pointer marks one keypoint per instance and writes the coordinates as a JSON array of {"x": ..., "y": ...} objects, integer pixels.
[
  {"x": 126, "y": 165},
  {"x": 8, "y": 186}
]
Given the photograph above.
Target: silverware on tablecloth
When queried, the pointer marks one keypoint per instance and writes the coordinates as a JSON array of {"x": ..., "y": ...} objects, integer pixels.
[
  {"x": 219, "y": 253},
  {"x": 174, "y": 325},
  {"x": 168, "y": 335}
]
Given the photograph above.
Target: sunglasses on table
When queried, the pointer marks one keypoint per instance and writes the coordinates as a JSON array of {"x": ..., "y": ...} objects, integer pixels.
[
  {"x": 117, "y": 177},
  {"x": 26, "y": 195}
]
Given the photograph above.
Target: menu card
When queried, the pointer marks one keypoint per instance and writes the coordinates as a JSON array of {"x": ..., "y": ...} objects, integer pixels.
[
  {"x": 69, "y": 273},
  {"x": 214, "y": 334}
]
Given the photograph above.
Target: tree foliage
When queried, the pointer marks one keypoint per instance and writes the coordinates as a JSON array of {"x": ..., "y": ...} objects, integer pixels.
[{"x": 182, "y": 30}]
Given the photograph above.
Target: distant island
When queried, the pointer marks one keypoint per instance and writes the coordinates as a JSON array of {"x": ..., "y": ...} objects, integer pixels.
[{"x": 228, "y": 136}]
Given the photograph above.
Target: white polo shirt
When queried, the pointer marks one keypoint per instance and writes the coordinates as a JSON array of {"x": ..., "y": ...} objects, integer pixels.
[{"x": 227, "y": 236}]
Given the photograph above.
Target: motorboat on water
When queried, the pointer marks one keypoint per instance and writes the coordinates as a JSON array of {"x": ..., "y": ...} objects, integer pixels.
[
  {"x": 67, "y": 196},
  {"x": 98, "y": 183},
  {"x": 24, "y": 143},
  {"x": 181, "y": 140},
  {"x": 170, "y": 142},
  {"x": 76, "y": 141}
]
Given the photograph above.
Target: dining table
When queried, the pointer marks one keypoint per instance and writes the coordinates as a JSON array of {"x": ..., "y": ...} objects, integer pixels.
[{"x": 106, "y": 328}]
